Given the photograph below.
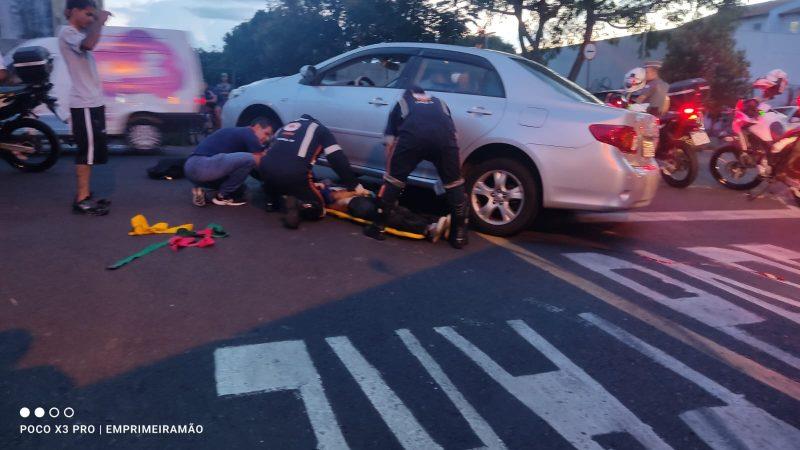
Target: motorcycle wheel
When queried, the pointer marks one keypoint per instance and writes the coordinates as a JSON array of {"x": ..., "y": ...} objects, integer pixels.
[
  {"x": 685, "y": 161},
  {"x": 726, "y": 167},
  {"x": 36, "y": 135}
]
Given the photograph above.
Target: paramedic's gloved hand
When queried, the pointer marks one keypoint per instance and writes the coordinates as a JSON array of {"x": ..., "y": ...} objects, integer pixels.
[{"x": 360, "y": 190}]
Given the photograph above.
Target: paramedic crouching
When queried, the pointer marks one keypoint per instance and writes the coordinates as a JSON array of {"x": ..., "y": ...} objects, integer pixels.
[
  {"x": 224, "y": 160},
  {"x": 286, "y": 169},
  {"x": 421, "y": 128}
]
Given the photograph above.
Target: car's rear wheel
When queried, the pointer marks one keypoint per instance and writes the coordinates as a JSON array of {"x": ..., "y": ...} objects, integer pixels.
[
  {"x": 144, "y": 134},
  {"x": 503, "y": 195}
]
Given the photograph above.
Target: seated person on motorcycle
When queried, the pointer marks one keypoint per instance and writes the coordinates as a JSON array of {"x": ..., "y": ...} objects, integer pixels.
[{"x": 653, "y": 90}]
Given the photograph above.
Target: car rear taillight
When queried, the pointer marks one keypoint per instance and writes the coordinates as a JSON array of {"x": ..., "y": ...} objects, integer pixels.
[
  {"x": 620, "y": 136},
  {"x": 200, "y": 101}
]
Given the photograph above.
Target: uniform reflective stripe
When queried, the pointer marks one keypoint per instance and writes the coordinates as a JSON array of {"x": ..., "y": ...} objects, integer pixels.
[
  {"x": 332, "y": 148},
  {"x": 87, "y": 117},
  {"x": 307, "y": 140},
  {"x": 454, "y": 184},
  {"x": 29, "y": 64},
  {"x": 392, "y": 180},
  {"x": 403, "y": 107}
]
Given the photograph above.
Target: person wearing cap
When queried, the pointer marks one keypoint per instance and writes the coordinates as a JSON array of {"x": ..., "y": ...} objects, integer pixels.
[
  {"x": 655, "y": 91},
  {"x": 421, "y": 128}
]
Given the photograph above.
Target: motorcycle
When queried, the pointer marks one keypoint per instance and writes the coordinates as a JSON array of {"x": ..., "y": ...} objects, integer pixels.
[
  {"x": 27, "y": 143},
  {"x": 759, "y": 136},
  {"x": 680, "y": 133}
]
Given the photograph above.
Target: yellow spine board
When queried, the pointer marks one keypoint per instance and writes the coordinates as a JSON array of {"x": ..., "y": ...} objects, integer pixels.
[{"x": 394, "y": 231}]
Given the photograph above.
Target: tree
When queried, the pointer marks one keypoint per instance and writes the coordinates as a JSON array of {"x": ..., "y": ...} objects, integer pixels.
[
  {"x": 706, "y": 49},
  {"x": 269, "y": 45},
  {"x": 543, "y": 12},
  {"x": 490, "y": 42}
]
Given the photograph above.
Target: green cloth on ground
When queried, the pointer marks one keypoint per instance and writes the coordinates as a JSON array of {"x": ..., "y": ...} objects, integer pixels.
[{"x": 217, "y": 231}]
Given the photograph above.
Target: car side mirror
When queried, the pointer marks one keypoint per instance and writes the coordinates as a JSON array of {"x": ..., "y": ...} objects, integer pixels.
[{"x": 308, "y": 74}]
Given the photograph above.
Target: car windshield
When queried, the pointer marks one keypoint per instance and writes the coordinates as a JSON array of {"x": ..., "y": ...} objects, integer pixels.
[{"x": 557, "y": 82}]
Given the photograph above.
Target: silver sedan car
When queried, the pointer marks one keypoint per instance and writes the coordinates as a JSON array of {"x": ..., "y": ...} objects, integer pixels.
[{"x": 529, "y": 139}]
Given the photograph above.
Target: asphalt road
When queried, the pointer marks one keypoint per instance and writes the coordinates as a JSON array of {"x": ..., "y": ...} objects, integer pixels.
[{"x": 674, "y": 326}]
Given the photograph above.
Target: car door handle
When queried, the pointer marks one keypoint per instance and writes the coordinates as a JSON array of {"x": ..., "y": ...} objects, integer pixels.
[
  {"x": 479, "y": 110},
  {"x": 377, "y": 101}
]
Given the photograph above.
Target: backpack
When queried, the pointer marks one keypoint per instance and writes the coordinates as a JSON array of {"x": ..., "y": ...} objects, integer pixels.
[{"x": 167, "y": 169}]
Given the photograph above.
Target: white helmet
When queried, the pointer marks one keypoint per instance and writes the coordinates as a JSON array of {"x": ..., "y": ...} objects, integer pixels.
[
  {"x": 634, "y": 80},
  {"x": 776, "y": 79}
]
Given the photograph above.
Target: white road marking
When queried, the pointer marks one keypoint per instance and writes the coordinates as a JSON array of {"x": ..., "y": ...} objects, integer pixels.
[
  {"x": 735, "y": 258},
  {"x": 279, "y": 366},
  {"x": 482, "y": 429},
  {"x": 394, "y": 412},
  {"x": 690, "y": 216},
  {"x": 705, "y": 307},
  {"x": 740, "y": 425},
  {"x": 773, "y": 251},
  {"x": 727, "y": 284},
  {"x": 569, "y": 400}
]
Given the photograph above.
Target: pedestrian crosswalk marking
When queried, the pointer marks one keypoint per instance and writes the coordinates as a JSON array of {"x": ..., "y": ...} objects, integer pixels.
[
  {"x": 394, "y": 412},
  {"x": 691, "y": 338},
  {"x": 738, "y": 425},
  {"x": 569, "y": 400},
  {"x": 784, "y": 255},
  {"x": 479, "y": 426},
  {"x": 700, "y": 305},
  {"x": 279, "y": 366},
  {"x": 730, "y": 285},
  {"x": 735, "y": 258}
]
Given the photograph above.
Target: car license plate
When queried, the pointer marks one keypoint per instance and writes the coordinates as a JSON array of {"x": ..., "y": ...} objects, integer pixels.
[
  {"x": 700, "y": 138},
  {"x": 648, "y": 149}
]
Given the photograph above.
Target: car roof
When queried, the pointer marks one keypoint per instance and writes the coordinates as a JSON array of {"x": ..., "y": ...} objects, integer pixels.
[
  {"x": 454, "y": 48},
  {"x": 490, "y": 54}
]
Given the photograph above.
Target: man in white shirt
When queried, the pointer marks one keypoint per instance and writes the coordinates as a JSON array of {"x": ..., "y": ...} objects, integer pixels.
[{"x": 76, "y": 42}]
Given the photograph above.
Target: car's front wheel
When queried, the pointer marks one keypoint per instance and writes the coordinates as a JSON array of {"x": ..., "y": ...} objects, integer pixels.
[{"x": 503, "y": 196}]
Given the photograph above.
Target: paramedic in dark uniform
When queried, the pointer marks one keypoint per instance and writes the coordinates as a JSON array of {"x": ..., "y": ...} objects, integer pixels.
[
  {"x": 286, "y": 168},
  {"x": 421, "y": 128}
]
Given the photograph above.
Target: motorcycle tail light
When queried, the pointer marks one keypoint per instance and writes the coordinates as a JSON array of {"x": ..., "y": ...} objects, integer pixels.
[
  {"x": 620, "y": 136},
  {"x": 200, "y": 101}
]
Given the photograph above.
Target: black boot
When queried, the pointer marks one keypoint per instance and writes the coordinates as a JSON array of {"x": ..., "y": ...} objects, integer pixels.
[
  {"x": 292, "y": 218},
  {"x": 459, "y": 236},
  {"x": 377, "y": 229}
]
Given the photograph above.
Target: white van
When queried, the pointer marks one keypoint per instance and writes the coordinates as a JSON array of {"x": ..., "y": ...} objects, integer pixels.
[{"x": 152, "y": 82}]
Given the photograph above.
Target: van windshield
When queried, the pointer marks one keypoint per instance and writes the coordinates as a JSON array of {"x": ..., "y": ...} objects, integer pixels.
[{"x": 560, "y": 84}]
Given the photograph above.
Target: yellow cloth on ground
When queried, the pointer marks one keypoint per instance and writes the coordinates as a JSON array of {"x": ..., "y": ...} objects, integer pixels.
[
  {"x": 141, "y": 227},
  {"x": 390, "y": 230}
]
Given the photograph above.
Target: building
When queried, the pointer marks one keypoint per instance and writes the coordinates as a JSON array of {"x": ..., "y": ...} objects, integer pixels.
[
  {"x": 27, "y": 19},
  {"x": 768, "y": 33}
]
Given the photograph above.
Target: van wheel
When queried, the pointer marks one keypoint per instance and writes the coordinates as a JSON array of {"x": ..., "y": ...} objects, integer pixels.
[
  {"x": 503, "y": 196},
  {"x": 144, "y": 134}
]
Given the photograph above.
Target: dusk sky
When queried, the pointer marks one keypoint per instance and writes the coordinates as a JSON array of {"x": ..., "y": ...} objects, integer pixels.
[{"x": 209, "y": 20}]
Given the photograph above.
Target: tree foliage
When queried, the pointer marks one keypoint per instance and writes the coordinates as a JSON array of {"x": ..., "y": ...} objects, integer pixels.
[
  {"x": 291, "y": 33},
  {"x": 706, "y": 49}
]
